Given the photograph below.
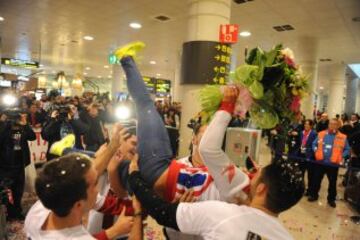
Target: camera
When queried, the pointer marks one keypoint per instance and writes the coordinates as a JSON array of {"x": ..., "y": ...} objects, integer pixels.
[
  {"x": 63, "y": 111},
  {"x": 13, "y": 115}
]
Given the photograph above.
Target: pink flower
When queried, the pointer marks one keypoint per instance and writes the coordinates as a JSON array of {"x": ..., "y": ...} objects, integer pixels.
[
  {"x": 295, "y": 104},
  {"x": 290, "y": 62}
]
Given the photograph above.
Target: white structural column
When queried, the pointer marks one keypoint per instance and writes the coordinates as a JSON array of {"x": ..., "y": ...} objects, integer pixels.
[
  {"x": 205, "y": 18},
  {"x": 118, "y": 80},
  {"x": 336, "y": 89},
  {"x": 352, "y": 83},
  {"x": 307, "y": 55}
]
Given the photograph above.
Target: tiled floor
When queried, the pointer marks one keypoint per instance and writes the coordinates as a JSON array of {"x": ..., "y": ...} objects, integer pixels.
[{"x": 306, "y": 221}]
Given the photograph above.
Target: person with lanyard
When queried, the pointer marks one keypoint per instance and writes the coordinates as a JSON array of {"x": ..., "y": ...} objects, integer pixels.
[
  {"x": 330, "y": 148},
  {"x": 306, "y": 155}
]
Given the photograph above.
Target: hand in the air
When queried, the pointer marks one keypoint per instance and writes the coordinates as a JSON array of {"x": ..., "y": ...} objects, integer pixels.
[{"x": 230, "y": 94}]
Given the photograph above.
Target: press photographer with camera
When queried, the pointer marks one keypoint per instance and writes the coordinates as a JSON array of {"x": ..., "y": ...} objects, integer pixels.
[
  {"x": 63, "y": 120},
  {"x": 94, "y": 137},
  {"x": 15, "y": 132}
]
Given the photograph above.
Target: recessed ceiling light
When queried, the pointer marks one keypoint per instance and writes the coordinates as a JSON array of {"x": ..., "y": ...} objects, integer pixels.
[
  {"x": 99, "y": 76},
  {"x": 89, "y": 38},
  {"x": 106, "y": 66},
  {"x": 245, "y": 34},
  {"x": 158, "y": 74},
  {"x": 2, "y": 19},
  {"x": 321, "y": 88},
  {"x": 41, "y": 65},
  {"x": 88, "y": 68},
  {"x": 152, "y": 62},
  {"x": 85, "y": 73},
  {"x": 109, "y": 76},
  {"x": 135, "y": 25}
]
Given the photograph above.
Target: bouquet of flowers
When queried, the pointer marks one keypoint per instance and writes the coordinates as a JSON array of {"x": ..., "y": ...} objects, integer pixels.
[{"x": 271, "y": 88}]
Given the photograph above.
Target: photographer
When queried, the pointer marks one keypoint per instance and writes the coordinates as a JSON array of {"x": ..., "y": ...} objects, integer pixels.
[
  {"x": 63, "y": 121},
  {"x": 94, "y": 137},
  {"x": 15, "y": 155}
]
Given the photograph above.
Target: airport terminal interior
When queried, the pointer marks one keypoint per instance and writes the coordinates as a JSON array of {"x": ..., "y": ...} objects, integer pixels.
[{"x": 180, "y": 119}]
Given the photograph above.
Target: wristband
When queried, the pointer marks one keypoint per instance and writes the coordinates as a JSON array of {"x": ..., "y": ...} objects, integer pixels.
[
  {"x": 138, "y": 214},
  {"x": 228, "y": 107}
]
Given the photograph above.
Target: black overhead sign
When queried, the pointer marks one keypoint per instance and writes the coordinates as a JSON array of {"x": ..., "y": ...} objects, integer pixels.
[
  {"x": 205, "y": 62},
  {"x": 19, "y": 63},
  {"x": 159, "y": 87},
  {"x": 163, "y": 87},
  {"x": 150, "y": 84}
]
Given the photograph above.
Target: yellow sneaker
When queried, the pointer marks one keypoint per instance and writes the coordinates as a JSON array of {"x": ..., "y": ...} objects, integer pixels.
[
  {"x": 57, "y": 148},
  {"x": 130, "y": 49}
]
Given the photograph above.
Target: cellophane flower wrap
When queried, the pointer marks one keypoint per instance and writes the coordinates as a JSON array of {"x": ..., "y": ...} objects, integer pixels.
[{"x": 271, "y": 88}]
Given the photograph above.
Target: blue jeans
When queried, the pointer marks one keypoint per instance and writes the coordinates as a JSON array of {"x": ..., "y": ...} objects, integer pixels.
[{"x": 153, "y": 145}]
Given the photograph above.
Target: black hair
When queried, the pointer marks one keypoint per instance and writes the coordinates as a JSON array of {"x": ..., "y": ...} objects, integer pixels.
[
  {"x": 61, "y": 183},
  {"x": 311, "y": 122},
  {"x": 285, "y": 184},
  {"x": 355, "y": 114}
]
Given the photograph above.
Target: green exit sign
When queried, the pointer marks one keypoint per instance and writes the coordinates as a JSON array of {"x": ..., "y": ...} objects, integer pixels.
[{"x": 112, "y": 59}]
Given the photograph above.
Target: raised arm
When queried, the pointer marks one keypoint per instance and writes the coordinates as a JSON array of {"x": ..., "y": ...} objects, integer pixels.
[
  {"x": 228, "y": 178},
  {"x": 102, "y": 160}
]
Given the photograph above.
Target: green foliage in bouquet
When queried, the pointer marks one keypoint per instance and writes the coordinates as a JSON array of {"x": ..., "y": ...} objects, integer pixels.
[
  {"x": 210, "y": 99},
  {"x": 275, "y": 83}
]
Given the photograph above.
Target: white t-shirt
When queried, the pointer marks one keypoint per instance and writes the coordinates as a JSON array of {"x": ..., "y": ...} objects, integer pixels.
[
  {"x": 95, "y": 219},
  {"x": 220, "y": 220},
  {"x": 36, "y": 218}
]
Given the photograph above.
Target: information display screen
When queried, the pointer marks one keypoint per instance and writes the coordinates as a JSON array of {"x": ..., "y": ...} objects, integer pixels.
[
  {"x": 205, "y": 62},
  {"x": 19, "y": 63},
  {"x": 163, "y": 87},
  {"x": 150, "y": 84}
]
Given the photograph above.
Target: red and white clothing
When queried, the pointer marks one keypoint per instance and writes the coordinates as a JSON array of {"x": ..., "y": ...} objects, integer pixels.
[
  {"x": 228, "y": 179},
  {"x": 220, "y": 179}
]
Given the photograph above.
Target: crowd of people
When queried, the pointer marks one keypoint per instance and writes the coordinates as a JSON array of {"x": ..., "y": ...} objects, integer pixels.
[
  {"x": 56, "y": 116},
  {"x": 125, "y": 176},
  {"x": 321, "y": 147}
]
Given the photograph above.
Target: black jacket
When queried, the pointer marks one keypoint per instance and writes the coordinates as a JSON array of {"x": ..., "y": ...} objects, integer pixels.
[
  {"x": 93, "y": 138},
  {"x": 9, "y": 158}
]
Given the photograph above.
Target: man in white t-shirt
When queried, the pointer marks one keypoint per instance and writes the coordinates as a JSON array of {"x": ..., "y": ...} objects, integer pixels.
[
  {"x": 274, "y": 189},
  {"x": 67, "y": 189}
]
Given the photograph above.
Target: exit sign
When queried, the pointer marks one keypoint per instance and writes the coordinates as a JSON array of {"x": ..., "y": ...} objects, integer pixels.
[{"x": 228, "y": 33}]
